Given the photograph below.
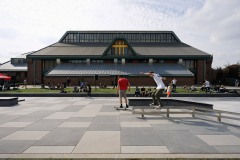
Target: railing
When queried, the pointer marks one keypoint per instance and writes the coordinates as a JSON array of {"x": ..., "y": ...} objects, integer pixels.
[{"x": 192, "y": 110}]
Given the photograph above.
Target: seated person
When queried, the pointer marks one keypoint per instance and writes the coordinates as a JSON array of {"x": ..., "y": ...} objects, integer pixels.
[
  {"x": 58, "y": 86},
  {"x": 100, "y": 85},
  {"x": 203, "y": 88},
  {"x": 104, "y": 85},
  {"x": 52, "y": 87},
  {"x": 82, "y": 85},
  {"x": 137, "y": 92},
  {"x": 42, "y": 86},
  {"x": 149, "y": 91},
  {"x": 143, "y": 91},
  {"x": 187, "y": 88},
  {"x": 193, "y": 88},
  {"x": 222, "y": 89},
  {"x": 75, "y": 89},
  {"x": 62, "y": 88}
]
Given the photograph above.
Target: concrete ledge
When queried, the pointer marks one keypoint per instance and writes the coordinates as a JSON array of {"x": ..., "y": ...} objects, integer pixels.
[
  {"x": 167, "y": 102},
  {"x": 120, "y": 156},
  {"x": 8, "y": 101}
]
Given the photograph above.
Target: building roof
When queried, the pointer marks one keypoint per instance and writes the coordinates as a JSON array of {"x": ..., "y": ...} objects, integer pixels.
[
  {"x": 141, "y": 49},
  {"x": 62, "y": 49},
  {"x": 7, "y": 66},
  {"x": 117, "y": 69}
]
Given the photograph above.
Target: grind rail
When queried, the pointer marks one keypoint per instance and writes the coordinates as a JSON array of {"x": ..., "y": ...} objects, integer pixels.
[{"x": 219, "y": 114}]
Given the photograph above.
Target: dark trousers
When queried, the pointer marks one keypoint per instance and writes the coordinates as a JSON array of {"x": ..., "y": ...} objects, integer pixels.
[{"x": 156, "y": 96}]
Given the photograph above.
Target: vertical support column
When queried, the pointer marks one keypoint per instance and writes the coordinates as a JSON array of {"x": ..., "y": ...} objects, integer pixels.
[
  {"x": 88, "y": 61},
  {"x": 204, "y": 70},
  {"x": 219, "y": 116},
  {"x": 142, "y": 113},
  {"x": 150, "y": 61},
  {"x": 58, "y": 61},
  {"x": 115, "y": 60},
  {"x": 123, "y": 61},
  {"x": 167, "y": 112},
  {"x": 180, "y": 61},
  {"x": 193, "y": 112}
]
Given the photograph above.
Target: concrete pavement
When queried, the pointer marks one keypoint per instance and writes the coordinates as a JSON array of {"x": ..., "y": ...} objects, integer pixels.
[{"x": 79, "y": 127}]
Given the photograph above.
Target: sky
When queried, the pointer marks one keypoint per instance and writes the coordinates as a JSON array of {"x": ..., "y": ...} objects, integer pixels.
[{"x": 209, "y": 25}]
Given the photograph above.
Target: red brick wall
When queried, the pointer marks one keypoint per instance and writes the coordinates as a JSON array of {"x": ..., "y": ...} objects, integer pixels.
[
  {"x": 200, "y": 77},
  {"x": 209, "y": 70},
  {"x": 30, "y": 73},
  {"x": 38, "y": 70}
]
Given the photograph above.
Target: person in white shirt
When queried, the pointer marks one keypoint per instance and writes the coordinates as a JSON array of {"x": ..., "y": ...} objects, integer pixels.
[
  {"x": 174, "y": 85},
  {"x": 207, "y": 86},
  {"x": 159, "y": 89}
]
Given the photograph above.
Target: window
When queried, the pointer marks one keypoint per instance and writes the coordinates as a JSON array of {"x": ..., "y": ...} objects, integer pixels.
[
  {"x": 189, "y": 64},
  {"x": 119, "y": 48}
]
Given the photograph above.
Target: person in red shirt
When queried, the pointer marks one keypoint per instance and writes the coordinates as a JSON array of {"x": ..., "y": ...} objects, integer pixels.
[{"x": 122, "y": 87}]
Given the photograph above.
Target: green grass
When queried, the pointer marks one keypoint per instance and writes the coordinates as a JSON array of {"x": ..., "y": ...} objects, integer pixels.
[{"x": 97, "y": 90}]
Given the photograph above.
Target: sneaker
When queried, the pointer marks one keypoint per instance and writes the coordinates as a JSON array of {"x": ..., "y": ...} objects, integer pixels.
[
  {"x": 121, "y": 106},
  {"x": 158, "y": 108},
  {"x": 152, "y": 104}
]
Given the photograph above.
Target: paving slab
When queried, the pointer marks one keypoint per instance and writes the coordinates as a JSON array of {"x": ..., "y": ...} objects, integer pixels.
[
  {"x": 72, "y": 108},
  {"x": 219, "y": 140},
  {"x": 99, "y": 142},
  {"x": 144, "y": 136},
  {"x": 62, "y": 137},
  {"x": 104, "y": 127},
  {"x": 106, "y": 119},
  {"x": 14, "y": 146},
  {"x": 75, "y": 124},
  {"x": 44, "y": 125},
  {"x": 26, "y": 135},
  {"x": 16, "y": 124},
  {"x": 184, "y": 142},
  {"x": 144, "y": 149},
  {"x": 228, "y": 149},
  {"x": 50, "y": 149},
  {"x": 79, "y": 119},
  {"x": 7, "y": 131}
]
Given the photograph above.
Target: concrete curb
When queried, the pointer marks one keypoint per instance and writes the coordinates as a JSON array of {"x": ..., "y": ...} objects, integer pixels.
[{"x": 110, "y": 95}]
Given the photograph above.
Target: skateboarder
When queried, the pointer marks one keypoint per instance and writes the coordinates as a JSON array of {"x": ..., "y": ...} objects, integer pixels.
[
  {"x": 159, "y": 89},
  {"x": 123, "y": 85}
]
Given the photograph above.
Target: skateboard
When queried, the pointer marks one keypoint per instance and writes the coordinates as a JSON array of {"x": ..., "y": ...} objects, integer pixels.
[{"x": 118, "y": 108}]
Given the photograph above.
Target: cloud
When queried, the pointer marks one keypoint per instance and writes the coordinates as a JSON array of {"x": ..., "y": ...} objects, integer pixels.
[{"x": 209, "y": 25}]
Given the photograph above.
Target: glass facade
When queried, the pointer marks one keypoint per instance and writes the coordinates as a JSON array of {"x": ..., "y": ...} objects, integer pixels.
[
  {"x": 18, "y": 61},
  {"x": 78, "y": 37}
]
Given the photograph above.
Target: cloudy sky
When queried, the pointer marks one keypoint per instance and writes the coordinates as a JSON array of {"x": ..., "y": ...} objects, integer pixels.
[{"x": 209, "y": 25}]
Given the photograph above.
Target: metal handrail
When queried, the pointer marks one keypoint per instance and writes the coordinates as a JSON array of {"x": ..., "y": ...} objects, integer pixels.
[{"x": 194, "y": 111}]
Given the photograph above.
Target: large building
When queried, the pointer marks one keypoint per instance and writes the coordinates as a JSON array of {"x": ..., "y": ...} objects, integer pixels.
[
  {"x": 99, "y": 56},
  {"x": 16, "y": 68}
]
